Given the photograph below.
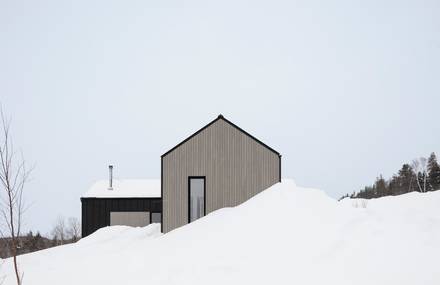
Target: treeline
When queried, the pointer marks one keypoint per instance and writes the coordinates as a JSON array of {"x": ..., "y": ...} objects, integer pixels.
[
  {"x": 26, "y": 244},
  {"x": 64, "y": 231},
  {"x": 422, "y": 175}
]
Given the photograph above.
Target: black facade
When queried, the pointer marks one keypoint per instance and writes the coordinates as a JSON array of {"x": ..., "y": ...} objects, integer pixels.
[{"x": 95, "y": 212}]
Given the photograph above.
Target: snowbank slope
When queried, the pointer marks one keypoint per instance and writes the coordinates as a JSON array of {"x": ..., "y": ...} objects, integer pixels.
[{"x": 284, "y": 235}]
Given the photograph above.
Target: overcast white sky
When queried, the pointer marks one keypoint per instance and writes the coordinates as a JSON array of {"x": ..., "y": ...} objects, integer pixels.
[{"x": 344, "y": 90}]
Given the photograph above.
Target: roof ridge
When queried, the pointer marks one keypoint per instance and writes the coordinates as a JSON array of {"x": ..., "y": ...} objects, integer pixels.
[{"x": 220, "y": 117}]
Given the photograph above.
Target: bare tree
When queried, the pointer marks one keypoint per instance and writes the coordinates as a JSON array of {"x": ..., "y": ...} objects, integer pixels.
[
  {"x": 73, "y": 229},
  {"x": 420, "y": 167},
  {"x": 13, "y": 177},
  {"x": 59, "y": 231}
]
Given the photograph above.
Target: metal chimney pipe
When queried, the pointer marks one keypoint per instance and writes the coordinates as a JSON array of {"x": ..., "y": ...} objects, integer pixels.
[{"x": 110, "y": 177}]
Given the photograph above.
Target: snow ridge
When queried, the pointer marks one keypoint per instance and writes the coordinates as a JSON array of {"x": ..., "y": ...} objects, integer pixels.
[{"x": 285, "y": 235}]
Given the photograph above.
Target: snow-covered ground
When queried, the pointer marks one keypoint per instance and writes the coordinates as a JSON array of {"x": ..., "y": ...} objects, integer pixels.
[{"x": 285, "y": 235}]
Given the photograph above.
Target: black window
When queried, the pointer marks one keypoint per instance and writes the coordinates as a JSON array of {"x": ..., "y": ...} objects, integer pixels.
[{"x": 196, "y": 203}]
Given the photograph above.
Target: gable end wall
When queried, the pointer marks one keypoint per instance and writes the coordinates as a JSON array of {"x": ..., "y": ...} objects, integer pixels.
[{"x": 236, "y": 167}]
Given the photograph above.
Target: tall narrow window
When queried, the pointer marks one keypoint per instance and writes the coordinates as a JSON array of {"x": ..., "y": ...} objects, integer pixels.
[{"x": 196, "y": 198}]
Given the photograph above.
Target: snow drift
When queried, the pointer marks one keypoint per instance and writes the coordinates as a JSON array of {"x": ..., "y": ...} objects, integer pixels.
[{"x": 285, "y": 235}]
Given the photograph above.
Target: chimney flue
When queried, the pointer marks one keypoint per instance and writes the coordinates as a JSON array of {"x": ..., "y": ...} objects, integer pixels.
[{"x": 110, "y": 177}]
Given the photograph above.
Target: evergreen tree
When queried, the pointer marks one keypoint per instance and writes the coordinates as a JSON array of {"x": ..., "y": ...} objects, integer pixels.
[
  {"x": 393, "y": 185},
  {"x": 433, "y": 173},
  {"x": 380, "y": 186},
  {"x": 422, "y": 175},
  {"x": 406, "y": 180}
]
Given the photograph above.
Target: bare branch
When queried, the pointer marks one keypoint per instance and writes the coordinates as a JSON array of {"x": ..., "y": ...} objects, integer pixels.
[{"x": 13, "y": 177}]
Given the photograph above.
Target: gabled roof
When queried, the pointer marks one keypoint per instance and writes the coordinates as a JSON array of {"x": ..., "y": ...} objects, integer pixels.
[
  {"x": 125, "y": 188},
  {"x": 220, "y": 117}
]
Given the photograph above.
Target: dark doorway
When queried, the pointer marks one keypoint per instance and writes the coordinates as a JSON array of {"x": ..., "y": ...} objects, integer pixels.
[{"x": 196, "y": 197}]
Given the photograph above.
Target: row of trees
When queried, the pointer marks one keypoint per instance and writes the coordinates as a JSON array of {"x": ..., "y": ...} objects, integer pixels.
[
  {"x": 64, "y": 231},
  {"x": 28, "y": 243},
  {"x": 422, "y": 175}
]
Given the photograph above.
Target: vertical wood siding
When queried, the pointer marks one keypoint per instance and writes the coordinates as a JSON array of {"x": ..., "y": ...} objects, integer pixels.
[
  {"x": 236, "y": 168},
  {"x": 95, "y": 212}
]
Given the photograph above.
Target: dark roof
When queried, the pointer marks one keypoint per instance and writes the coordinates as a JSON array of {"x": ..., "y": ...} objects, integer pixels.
[{"x": 220, "y": 117}]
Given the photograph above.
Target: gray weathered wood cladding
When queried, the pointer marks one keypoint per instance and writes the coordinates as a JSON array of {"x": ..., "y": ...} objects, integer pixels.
[{"x": 236, "y": 166}]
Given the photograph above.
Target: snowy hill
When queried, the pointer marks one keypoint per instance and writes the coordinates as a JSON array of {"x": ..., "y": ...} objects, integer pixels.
[{"x": 285, "y": 235}]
